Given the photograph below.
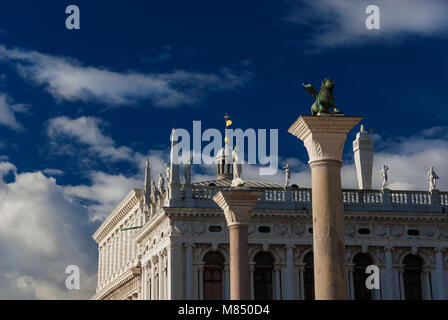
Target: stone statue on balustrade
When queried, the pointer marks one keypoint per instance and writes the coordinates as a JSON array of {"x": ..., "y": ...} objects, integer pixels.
[
  {"x": 432, "y": 178},
  {"x": 384, "y": 176},
  {"x": 154, "y": 192},
  {"x": 324, "y": 100},
  {"x": 161, "y": 184},
  {"x": 187, "y": 173},
  {"x": 237, "y": 170},
  {"x": 287, "y": 174},
  {"x": 168, "y": 173}
]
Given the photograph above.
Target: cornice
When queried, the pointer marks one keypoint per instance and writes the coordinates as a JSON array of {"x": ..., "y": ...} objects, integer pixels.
[
  {"x": 125, "y": 206},
  {"x": 114, "y": 285}
]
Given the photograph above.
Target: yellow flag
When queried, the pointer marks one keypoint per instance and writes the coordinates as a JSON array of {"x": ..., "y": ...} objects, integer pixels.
[{"x": 228, "y": 123}]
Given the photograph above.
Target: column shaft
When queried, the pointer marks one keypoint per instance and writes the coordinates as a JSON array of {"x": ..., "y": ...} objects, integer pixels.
[
  {"x": 239, "y": 262},
  {"x": 329, "y": 249}
]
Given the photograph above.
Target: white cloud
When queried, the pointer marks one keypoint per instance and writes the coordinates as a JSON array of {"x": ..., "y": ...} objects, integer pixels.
[
  {"x": 8, "y": 112},
  {"x": 68, "y": 79},
  {"x": 41, "y": 233},
  {"x": 87, "y": 131},
  {"x": 104, "y": 193},
  {"x": 342, "y": 22}
]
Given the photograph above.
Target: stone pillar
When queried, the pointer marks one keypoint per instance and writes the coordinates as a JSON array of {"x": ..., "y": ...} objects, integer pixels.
[
  {"x": 399, "y": 280},
  {"x": 251, "y": 280},
  {"x": 174, "y": 272},
  {"x": 324, "y": 138},
  {"x": 427, "y": 283},
  {"x": 153, "y": 279},
  {"x": 237, "y": 204},
  {"x": 439, "y": 280},
  {"x": 388, "y": 292},
  {"x": 290, "y": 274},
  {"x": 301, "y": 268},
  {"x": 225, "y": 280},
  {"x": 201, "y": 282},
  {"x": 189, "y": 271},
  {"x": 277, "y": 283},
  {"x": 351, "y": 286}
]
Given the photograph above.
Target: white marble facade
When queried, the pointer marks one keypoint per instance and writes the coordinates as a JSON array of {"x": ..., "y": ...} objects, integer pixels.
[{"x": 165, "y": 258}]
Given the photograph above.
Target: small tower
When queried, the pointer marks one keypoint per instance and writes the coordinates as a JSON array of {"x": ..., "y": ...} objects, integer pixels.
[
  {"x": 224, "y": 162},
  {"x": 363, "y": 152}
]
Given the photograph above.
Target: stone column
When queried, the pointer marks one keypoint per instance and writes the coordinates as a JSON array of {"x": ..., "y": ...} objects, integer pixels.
[
  {"x": 277, "y": 283},
  {"x": 189, "y": 271},
  {"x": 290, "y": 274},
  {"x": 324, "y": 138},
  {"x": 174, "y": 274},
  {"x": 251, "y": 280},
  {"x": 350, "y": 268},
  {"x": 400, "y": 282},
  {"x": 153, "y": 279},
  {"x": 225, "y": 280},
  {"x": 439, "y": 276},
  {"x": 201, "y": 282},
  {"x": 237, "y": 204},
  {"x": 301, "y": 268},
  {"x": 388, "y": 293},
  {"x": 427, "y": 283}
]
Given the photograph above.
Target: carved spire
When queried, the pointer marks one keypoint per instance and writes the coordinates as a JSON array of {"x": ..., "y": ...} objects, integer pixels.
[
  {"x": 147, "y": 180},
  {"x": 174, "y": 159}
]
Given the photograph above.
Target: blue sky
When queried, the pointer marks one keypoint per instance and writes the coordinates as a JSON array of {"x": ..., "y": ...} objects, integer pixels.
[{"x": 81, "y": 110}]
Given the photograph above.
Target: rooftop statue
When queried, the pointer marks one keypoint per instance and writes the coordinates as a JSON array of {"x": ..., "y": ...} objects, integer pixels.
[
  {"x": 237, "y": 171},
  {"x": 384, "y": 176},
  {"x": 324, "y": 103},
  {"x": 287, "y": 173},
  {"x": 432, "y": 178}
]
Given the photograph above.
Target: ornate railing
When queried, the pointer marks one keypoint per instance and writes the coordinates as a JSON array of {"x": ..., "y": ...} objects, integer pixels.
[
  {"x": 410, "y": 197},
  {"x": 351, "y": 198},
  {"x": 444, "y": 198}
]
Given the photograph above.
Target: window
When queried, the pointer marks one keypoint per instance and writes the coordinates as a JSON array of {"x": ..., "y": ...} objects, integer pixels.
[
  {"x": 413, "y": 232},
  {"x": 364, "y": 231},
  {"x": 308, "y": 276},
  {"x": 212, "y": 276},
  {"x": 214, "y": 228},
  {"x": 361, "y": 261},
  {"x": 264, "y": 265},
  {"x": 412, "y": 277},
  {"x": 264, "y": 229}
]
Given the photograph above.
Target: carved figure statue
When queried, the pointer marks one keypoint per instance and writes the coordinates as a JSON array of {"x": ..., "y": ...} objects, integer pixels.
[
  {"x": 432, "y": 178},
  {"x": 154, "y": 192},
  {"x": 161, "y": 184},
  {"x": 168, "y": 173},
  {"x": 287, "y": 173},
  {"x": 324, "y": 102},
  {"x": 237, "y": 171},
  {"x": 384, "y": 176}
]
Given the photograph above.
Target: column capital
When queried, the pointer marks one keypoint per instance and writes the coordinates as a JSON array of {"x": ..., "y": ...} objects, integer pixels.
[
  {"x": 323, "y": 136},
  {"x": 388, "y": 248},
  {"x": 237, "y": 204},
  {"x": 189, "y": 245}
]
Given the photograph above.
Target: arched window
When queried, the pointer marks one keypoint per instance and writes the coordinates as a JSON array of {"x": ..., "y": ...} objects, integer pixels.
[
  {"x": 212, "y": 276},
  {"x": 412, "y": 277},
  {"x": 308, "y": 276},
  {"x": 361, "y": 261},
  {"x": 264, "y": 265}
]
